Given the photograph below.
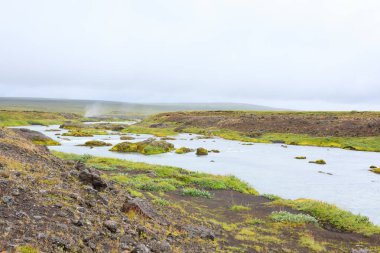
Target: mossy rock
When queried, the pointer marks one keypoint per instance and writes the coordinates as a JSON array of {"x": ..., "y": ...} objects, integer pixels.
[
  {"x": 372, "y": 167},
  {"x": 77, "y": 134},
  {"x": 127, "y": 138},
  {"x": 375, "y": 170},
  {"x": 37, "y": 138},
  {"x": 183, "y": 150},
  {"x": 321, "y": 162},
  {"x": 168, "y": 139},
  {"x": 202, "y": 151},
  {"x": 349, "y": 148},
  {"x": 97, "y": 144},
  {"x": 147, "y": 147},
  {"x": 300, "y": 157},
  {"x": 214, "y": 151}
]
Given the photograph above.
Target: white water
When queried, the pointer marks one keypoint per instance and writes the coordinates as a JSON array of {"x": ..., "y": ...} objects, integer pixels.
[{"x": 270, "y": 168}]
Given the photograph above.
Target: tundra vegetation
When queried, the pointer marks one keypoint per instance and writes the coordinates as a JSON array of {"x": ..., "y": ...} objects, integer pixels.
[
  {"x": 147, "y": 147},
  {"x": 265, "y": 222},
  {"x": 96, "y": 144},
  {"x": 126, "y": 138},
  {"x": 320, "y": 161},
  {"x": 78, "y": 129},
  {"x": 24, "y": 118},
  {"x": 114, "y": 205},
  {"x": 202, "y": 151},
  {"x": 375, "y": 170},
  {"x": 183, "y": 150},
  {"x": 346, "y": 130}
]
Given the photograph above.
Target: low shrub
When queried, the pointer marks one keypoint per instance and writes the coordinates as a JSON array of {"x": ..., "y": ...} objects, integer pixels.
[
  {"x": 161, "y": 202},
  {"x": 300, "y": 218},
  {"x": 193, "y": 192},
  {"x": 270, "y": 196}
]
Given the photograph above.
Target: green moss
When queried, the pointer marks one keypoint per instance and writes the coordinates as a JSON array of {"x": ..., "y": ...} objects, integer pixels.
[
  {"x": 308, "y": 242},
  {"x": 202, "y": 151},
  {"x": 376, "y": 170},
  {"x": 332, "y": 215},
  {"x": 239, "y": 208},
  {"x": 127, "y": 138},
  {"x": 135, "y": 193},
  {"x": 161, "y": 202},
  {"x": 183, "y": 150},
  {"x": 147, "y": 147},
  {"x": 254, "y": 221},
  {"x": 300, "y": 157},
  {"x": 321, "y": 162},
  {"x": 46, "y": 142},
  {"x": 96, "y": 144},
  {"x": 159, "y": 132},
  {"x": 85, "y": 132},
  {"x": 171, "y": 177},
  {"x": 143, "y": 182},
  {"x": 193, "y": 192},
  {"x": 26, "y": 249}
]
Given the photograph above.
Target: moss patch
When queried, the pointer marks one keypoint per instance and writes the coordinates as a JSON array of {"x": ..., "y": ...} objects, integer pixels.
[
  {"x": 183, "y": 150},
  {"x": 96, "y": 144},
  {"x": 321, "y": 162},
  {"x": 375, "y": 170},
  {"x": 202, "y": 151},
  {"x": 147, "y": 147}
]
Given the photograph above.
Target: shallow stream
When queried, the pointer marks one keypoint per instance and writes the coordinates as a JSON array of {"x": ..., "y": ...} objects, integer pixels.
[{"x": 269, "y": 168}]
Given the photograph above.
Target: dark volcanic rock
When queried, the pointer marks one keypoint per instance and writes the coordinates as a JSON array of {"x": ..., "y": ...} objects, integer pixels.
[
  {"x": 91, "y": 177},
  {"x": 200, "y": 231},
  {"x": 141, "y": 248},
  {"x": 111, "y": 225}
]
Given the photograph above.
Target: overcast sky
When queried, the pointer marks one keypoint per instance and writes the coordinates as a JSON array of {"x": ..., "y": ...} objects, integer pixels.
[{"x": 301, "y": 54}]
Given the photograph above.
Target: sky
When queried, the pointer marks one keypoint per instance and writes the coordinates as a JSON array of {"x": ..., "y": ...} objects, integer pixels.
[{"x": 297, "y": 54}]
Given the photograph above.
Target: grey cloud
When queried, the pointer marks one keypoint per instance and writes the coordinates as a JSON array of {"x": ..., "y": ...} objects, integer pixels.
[{"x": 291, "y": 54}]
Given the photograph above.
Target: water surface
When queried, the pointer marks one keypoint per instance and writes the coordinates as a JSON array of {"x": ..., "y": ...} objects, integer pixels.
[{"x": 269, "y": 168}]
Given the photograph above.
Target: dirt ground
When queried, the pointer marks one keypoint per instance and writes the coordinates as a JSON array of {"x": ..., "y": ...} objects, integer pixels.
[{"x": 350, "y": 124}]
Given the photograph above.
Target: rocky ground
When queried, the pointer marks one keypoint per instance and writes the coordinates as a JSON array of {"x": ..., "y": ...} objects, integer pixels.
[{"x": 51, "y": 205}]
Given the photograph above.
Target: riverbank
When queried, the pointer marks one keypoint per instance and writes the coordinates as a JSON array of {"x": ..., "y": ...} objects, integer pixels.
[
  {"x": 346, "y": 130},
  {"x": 271, "y": 168}
]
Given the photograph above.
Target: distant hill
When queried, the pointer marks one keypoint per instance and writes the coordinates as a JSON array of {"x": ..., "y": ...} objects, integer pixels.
[{"x": 91, "y": 108}]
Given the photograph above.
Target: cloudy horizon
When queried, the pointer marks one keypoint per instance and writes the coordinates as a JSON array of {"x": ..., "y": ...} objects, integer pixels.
[{"x": 311, "y": 55}]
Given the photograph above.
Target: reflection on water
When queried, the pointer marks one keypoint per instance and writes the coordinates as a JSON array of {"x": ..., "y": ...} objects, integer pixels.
[{"x": 270, "y": 168}]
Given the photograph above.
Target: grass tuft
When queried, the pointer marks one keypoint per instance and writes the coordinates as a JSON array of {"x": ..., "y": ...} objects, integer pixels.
[
  {"x": 239, "y": 208},
  {"x": 193, "y": 192},
  {"x": 300, "y": 218}
]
